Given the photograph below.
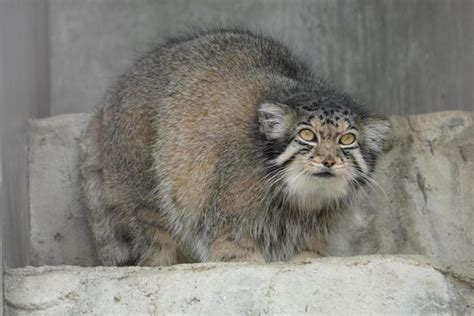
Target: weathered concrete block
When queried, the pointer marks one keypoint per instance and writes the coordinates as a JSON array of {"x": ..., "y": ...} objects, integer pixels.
[
  {"x": 58, "y": 226},
  {"x": 422, "y": 203},
  {"x": 357, "y": 285}
]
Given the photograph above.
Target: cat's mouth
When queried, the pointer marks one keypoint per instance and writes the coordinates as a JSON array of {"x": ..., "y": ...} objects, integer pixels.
[{"x": 324, "y": 174}]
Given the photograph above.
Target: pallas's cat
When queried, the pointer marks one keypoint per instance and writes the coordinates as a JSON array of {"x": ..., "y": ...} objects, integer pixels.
[{"x": 223, "y": 146}]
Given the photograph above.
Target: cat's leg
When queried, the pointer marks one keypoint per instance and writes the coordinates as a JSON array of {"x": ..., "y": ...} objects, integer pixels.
[
  {"x": 317, "y": 248},
  {"x": 158, "y": 247},
  {"x": 112, "y": 248},
  {"x": 163, "y": 251},
  {"x": 227, "y": 248}
]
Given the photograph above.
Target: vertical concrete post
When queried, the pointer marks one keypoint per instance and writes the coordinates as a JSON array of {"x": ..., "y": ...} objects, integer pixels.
[
  {"x": 24, "y": 90},
  {"x": 1, "y": 230}
]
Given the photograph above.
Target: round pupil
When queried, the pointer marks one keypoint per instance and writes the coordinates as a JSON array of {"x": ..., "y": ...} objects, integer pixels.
[
  {"x": 347, "y": 139},
  {"x": 306, "y": 134}
]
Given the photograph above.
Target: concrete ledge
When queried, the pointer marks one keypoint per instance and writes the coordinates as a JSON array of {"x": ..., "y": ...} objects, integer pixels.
[{"x": 354, "y": 285}]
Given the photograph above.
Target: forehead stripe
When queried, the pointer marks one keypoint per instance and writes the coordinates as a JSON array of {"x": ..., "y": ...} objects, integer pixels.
[{"x": 305, "y": 123}]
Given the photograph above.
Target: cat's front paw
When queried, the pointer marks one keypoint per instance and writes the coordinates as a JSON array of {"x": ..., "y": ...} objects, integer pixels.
[{"x": 225, "y": 249}]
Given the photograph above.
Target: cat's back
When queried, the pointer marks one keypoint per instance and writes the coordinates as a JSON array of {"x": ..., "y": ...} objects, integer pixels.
[
  {"x": 206, "y": 117},
  {"x": 187, "y": 109},
  {"x": 232, "y": 64},
  {"x": 204, "y": 80}
]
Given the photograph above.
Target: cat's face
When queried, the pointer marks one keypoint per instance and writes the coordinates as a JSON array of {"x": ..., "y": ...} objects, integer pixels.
[{"x": 321, "y": 153}]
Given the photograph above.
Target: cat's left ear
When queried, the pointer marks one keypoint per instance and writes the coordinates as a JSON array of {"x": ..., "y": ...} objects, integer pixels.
[
  {"x": 375, "y": 131},
  {"x": 274, "y": 119}
]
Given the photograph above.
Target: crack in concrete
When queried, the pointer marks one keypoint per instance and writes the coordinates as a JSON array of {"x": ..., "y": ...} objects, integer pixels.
[
  {"x": 464, "y": 155},
  {"x": 420, "y": 181},
  {"x": 451, "y": 275},
  {"x": 271, "y": 289}
]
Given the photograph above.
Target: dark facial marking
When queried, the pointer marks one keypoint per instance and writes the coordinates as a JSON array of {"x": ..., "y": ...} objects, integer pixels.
[{"x": 303, "y": 143}]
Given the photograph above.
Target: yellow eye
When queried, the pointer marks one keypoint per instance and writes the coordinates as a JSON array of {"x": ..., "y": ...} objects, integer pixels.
[
  {"x": 307, "y": 135},
  {"x": 347, "y": 139}
]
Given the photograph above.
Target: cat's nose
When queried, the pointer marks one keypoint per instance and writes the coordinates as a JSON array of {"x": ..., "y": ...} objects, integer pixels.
[{"x": 328, "y": 163}]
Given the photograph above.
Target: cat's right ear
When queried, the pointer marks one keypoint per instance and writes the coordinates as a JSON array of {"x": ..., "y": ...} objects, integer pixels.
[{"x": 274, "y": 119}]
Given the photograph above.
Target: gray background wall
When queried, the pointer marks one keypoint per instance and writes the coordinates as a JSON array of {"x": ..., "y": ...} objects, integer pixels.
[
  {"x": 24, "y": 90},
  {"x": 23, "y": 95},
  {"x": 399, "y": 56},
  {"x": 58, "y": 56}
]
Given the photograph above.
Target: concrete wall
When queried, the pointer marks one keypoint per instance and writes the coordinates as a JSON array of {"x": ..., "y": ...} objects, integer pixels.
[
  {"x": 24, "y": 89},
  {"x": 399, "y": 56}
]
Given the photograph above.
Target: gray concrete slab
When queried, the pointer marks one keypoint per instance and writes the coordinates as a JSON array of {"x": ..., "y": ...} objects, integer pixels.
[
  {"x": 334, "y": 286},
  {"x": 58, "y": 227},
  {"x": 422, "y": 201}
]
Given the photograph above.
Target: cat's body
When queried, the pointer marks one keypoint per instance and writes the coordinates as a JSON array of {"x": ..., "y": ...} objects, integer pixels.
[{"x": 203, "y": 152}]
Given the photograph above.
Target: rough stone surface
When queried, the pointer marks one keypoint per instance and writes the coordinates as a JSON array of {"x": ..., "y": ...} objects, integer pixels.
[
  {"x": 58, "y": 227},
  {"x": 357, "y": 285},
  {"x": 423, "y": 202}
]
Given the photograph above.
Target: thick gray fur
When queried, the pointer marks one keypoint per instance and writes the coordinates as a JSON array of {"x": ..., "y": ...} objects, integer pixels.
[{"x": 196, "y": 155}]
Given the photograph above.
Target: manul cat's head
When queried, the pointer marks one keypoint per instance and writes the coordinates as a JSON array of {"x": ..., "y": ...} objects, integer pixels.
[{"x": 320, "y": 147}]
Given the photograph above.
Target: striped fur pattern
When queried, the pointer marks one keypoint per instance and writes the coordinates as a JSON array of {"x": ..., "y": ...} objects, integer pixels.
[{"x": 200, "y": 152}]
